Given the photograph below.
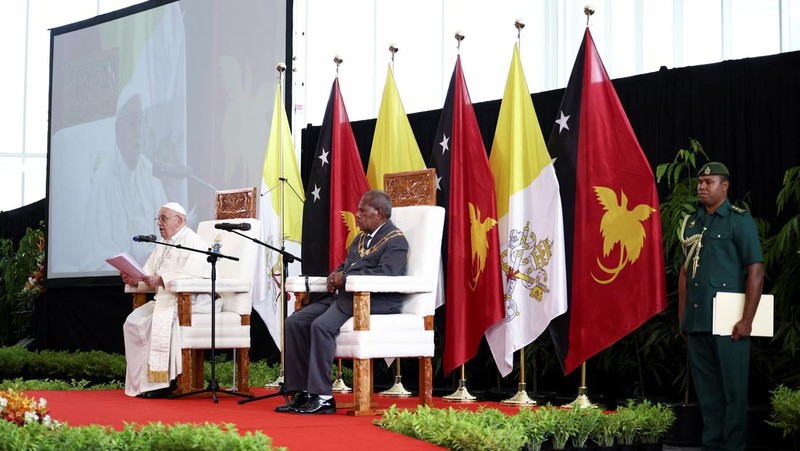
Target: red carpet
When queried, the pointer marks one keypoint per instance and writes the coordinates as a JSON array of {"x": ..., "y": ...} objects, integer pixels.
[{"x": 296, "y": 432}]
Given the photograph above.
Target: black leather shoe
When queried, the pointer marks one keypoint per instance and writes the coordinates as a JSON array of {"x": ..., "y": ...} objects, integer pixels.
[
  {"x": 298, "y": 399},
  {"x": 315, "y": 405},
  {"x": 161, "y": 393}
]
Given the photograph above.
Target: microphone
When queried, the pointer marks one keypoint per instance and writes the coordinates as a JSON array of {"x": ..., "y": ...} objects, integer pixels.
[
  {"x": 145, "y": 238},
  {"x": 232, "y": 226}
]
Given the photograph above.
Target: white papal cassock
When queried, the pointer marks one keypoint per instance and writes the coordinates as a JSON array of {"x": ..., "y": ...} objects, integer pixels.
[{"x": 152, "y": 335}]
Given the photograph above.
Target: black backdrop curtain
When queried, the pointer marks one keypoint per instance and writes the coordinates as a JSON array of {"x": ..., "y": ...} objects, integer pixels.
[
  {"x": 743, "y": 112},
  {"x": 14, "y": 223}
]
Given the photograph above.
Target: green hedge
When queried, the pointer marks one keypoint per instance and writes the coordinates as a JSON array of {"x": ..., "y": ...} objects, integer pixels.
[
  {"x": 155, "y": 436},
  {"x": 491, "y": 429},
  {"x": 94, "y": 366}
]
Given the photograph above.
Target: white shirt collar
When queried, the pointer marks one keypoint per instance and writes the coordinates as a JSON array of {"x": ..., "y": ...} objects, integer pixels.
[{"x": 374, "y": 232}]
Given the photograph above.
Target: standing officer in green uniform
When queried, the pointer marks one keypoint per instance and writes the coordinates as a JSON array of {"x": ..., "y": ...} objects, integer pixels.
[{"x": 722, "y": 254}]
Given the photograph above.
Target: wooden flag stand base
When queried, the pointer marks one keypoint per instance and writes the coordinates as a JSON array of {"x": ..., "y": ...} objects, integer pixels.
[
  {"x": 338, "y": 385},
  {"x": 582, "y": 401},
  {"x": 461, "y": 394},
  {"x": 397, "y": 390},
  {"x": 521, "y": 398}
]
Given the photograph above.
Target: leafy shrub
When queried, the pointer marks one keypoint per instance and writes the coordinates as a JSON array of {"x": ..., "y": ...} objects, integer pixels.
[
  {"x": 486, "y": 429},
  {"x": 51, "y": 384},
  {"x": 785, "y": 410},
  {"x": 98, "y": 366},
  {"x": 133, "y": 437}
]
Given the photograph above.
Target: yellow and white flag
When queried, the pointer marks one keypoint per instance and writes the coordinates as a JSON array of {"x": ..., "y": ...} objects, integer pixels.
[
  {"x": 530, "y": 224},
  {"x": 394, "y": 147},
  {"x": 279, "y": 158}
]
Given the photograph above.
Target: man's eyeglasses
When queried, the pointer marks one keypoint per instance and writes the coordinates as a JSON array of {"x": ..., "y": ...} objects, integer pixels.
[{"x": 163, "y": 219}]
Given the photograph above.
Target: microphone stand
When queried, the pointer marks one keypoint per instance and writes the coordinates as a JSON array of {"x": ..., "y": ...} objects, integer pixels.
[
  {"x": 213, "y": 385},
  {"x": 287, "y": 258}
]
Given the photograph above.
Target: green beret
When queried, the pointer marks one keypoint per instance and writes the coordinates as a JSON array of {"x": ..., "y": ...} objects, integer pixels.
[{"x": 713, "y": 168}]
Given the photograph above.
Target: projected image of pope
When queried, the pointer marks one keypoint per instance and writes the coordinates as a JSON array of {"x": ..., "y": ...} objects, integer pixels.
[{"x": 124, "y": 193}]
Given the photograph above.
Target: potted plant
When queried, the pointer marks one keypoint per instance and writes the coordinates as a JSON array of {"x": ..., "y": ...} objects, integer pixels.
[
  {"x": 654, "y": 422},
  {"x": 628, "y": 427},
  {"x": 563, "y": 427},
  {"x": 585, "y": 421},
  {"x": 786, "y": 411},
  {"x": 21, "y": 276},
  {"x": 537, "y": 425},
  {"x": 606, "y": 431}
]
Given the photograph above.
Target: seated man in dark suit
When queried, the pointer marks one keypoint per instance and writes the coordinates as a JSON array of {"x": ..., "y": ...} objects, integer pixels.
[{"x": 380, "y": 249}]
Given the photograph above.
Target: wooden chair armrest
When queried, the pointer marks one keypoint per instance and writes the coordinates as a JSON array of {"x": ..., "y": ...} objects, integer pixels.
[{"x": 139, "y": 293}]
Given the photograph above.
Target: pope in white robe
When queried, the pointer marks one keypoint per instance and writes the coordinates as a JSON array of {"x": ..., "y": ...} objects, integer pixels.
[{"x": 152, "y": 333}]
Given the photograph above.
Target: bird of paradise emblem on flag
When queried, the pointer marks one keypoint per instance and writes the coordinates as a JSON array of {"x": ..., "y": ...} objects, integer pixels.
[
  {"x": 352, "y": 227},
  {"x": 620, "y": 226},
  {"x": 478, "y": 242}
]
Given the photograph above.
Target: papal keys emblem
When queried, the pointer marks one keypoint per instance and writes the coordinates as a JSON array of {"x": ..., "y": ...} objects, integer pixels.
[{"x": 525, "y": 261}]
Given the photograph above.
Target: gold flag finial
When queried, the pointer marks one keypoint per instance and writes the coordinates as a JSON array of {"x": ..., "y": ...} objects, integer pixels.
[
  {"x": 519, "y": 25},
  {"x": 459, "y": 37},
  {"x": 338, "y": 60},
  {"x": 281, "y": 68},
  {"x": 588, "y": 10},
  {"x": 393, "y": 49}
]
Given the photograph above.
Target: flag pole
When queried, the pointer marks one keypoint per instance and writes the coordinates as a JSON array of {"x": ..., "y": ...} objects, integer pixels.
[
  {"x": 582, "y": 401},
  {"x": 277, "y": 383},
  {"x": 461, "y": 394},
  {"x": 339, "y": 386},
  {"x": 521, "y": 398},
  {"x": 397, "y": 390}
]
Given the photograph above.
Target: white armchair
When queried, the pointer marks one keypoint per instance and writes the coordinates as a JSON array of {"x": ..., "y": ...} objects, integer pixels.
[
  {"x": 406, "y": 334},
  {"x": 234, "y": 284}
]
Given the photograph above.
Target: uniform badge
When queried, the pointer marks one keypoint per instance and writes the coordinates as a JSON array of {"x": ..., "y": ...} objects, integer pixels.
[{"x": 707, "y": 170}]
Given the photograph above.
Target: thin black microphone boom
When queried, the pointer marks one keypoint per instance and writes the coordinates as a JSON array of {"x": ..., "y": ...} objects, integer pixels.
[
  {"x": 232, "y": 226},
  {"x": 145, "y": 238}
]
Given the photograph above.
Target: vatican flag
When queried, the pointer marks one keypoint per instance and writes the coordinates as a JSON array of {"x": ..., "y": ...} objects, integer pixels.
[
  {"x": 394, "y": 147},
  {"x": 279, "y": 157},
  {"x": 530, "y": 224}
]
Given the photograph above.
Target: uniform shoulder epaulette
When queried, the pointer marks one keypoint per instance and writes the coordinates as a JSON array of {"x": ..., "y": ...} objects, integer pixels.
[{"x": 739, "y": 210}]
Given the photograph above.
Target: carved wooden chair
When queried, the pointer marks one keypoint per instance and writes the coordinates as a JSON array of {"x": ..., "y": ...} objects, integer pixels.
[
  {"x": 409, "y": 333},
  {"x": 234, "y": 284}
]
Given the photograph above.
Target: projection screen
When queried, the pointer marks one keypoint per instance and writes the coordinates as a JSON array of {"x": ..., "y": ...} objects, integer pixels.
[{"x": 163, "y": 101}]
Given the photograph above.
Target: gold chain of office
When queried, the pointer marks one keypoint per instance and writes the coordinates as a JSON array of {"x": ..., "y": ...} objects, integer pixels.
[
  {"x": 691, "y": 246},
  {"x": 362, "y": 243}
]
